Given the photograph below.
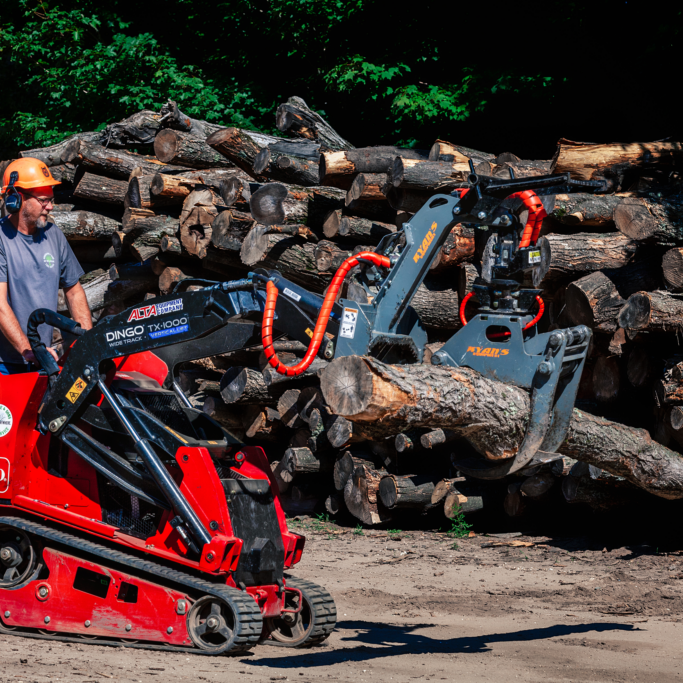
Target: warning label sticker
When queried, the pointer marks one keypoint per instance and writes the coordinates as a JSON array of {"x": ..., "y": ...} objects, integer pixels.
[
  {"x": 534, "y": 257},
  {"x": 348, "y": 324},
  {"x": 76, "y": 390}
]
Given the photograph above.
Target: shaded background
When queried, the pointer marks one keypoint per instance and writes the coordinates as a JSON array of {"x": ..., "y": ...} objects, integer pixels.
[{"x": 498, "y": 77}]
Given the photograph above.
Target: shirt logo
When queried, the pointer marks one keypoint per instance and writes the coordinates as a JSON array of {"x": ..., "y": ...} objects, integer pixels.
[{"x": 49, "y": 260}]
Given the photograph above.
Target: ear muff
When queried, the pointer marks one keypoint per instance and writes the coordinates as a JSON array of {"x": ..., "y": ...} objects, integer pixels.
[{"x": 13, "y": 199}]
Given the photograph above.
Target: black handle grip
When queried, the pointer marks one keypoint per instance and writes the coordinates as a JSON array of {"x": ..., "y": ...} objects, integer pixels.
[{"x": 44, "y": 316}]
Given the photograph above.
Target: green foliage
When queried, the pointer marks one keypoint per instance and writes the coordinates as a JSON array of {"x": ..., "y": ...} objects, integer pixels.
[
  {"x": 358, "y": 531},
  {"x": 460, "y": 528},
  {"x": 394, "y": 532}
]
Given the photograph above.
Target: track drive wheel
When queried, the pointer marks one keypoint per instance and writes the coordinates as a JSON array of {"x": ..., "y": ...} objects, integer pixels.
[
  {"x": 312, "y": 625},
  {"x": 228, "y": 625},
  {"x": 19, "y": 558}
]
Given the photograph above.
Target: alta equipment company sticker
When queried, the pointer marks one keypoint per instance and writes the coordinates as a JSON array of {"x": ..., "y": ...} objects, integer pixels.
[{"x": 6, "y": 420}]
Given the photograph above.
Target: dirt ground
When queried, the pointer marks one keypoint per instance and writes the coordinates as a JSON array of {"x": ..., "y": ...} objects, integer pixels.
[{"x": 415, "y": 607}]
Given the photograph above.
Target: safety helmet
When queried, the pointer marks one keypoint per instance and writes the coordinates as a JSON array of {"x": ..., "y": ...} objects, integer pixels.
[{"x": 31, "y": 173}]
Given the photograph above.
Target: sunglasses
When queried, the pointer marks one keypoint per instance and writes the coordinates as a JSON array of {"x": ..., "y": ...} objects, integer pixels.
[{"x": 44, "y": 201}]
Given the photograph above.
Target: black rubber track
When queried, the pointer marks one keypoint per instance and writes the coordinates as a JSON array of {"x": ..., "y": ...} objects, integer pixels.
[
  {"x": 324, "y": 612},
  {"x": 249, "y": 622}
]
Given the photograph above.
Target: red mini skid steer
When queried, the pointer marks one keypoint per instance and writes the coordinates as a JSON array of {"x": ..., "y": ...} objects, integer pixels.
[{"x": 127, "y": 516}]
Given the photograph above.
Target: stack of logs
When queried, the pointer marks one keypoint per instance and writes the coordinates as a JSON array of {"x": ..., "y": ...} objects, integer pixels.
[{"x": 160, "y": 197}]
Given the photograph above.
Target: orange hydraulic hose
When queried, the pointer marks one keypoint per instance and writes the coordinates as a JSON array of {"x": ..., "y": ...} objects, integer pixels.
[
  {"x": 323, "y": 316},
  {"x": 537, "y": 213},
  {"x": 530, "y": 324}
]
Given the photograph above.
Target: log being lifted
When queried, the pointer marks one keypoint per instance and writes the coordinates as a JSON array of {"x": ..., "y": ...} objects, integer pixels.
[
  {"x": 493, "y": 416},
  {"x": 363, "y": 160},
  {"x": 116, "y": 163},
  {"x": 100, "y": 189},
  {"x": 185, "y": 149},
  {"x": 613, "y": 163},
  {"x": 296, "y": 162},
  {"x": 653, "y": 220},
  {"x": 241, "y": 147},
  {"x": 276, "y": 204},
  {"x": 652, "y": 311},
  {"x": 299, "y": 120}
]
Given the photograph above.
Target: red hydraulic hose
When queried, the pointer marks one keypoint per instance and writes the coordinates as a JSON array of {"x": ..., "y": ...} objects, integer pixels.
[
  {"x": 537, "y": 213},
  {"x": 323, "y": 316},
  {"x": 530, "y": 324}
]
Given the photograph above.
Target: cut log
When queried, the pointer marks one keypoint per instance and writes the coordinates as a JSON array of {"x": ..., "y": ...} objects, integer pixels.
[
  {"x": 245, "y": 386},
  {"x": 457, "y": 502},
  {"x": 290, "y": 162},
  {"x": 614, "y": 163},
  {"x": 432, "y": 176},
  {"x": 409, "y": 491},
  {"x": 241, "y": 147},
  {"x": 447, "y": 151},
  {"x": 657, "y": 221},
  {"x": 458, "y": 248},
  {"x": 437, "y": 304},
  {"x": 169, "y": 278},
  {"x": 334, "y": 503},
  {"x": 256, "y": 244},
  {"x": 345, "y": 463},
  {"x": 393, "y": 398},
  {"x": 139, "y": 221},
  {"x": 672, "y": 268},
  {"x": 594, "y": 301},
  {"x": 99, "y": 189},
  {"x": 297, "y": 119},
  {"x": 303, "y": 461},
  {"x": 367, "y": 187},
  {"x": 342, "y": 432},
  {"x": 236, "y": 192},
  {"x": 363, "y": 160},
  {"x": 354, "y": 228},
  {"x": 114, "y": 163},
  {"x": 361, "y": 495},
  {"x": 229, "y": 229},
  {"x": 85, "y": 225},
  {"x": 196, "y": 219},
  {"x": 597, "y": 494},
  {"x": 585, "y": 252},
  {"x": 172, "y": 117},
  {"x": 467, "y": 274},
  {"x": 101, "y": 291},
  {"x": 262, "y": 423},
  {"x": 584, "y": 210},
  {"x": 652, "y": 311},
  {"x": 277, "y": 204},
  {"x": 181, "y": 184},
  {"x": 537, "y": 485},
  {"x": 410, "y": 201},
  {"x": 185, "y": 149},
  {"x": 138, "y": 129},
  {"x": 139, "y": 195},
  {"x": 282, "y": 476},
  {"x": 52, "y": 156},
  {"x": 436, "y": 437},
  {"x": 669, "y": 389},
  {"x": 226, "y": 416}
]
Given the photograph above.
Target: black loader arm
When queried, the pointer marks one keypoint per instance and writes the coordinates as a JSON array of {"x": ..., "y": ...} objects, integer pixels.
[{"x": 164, "y": 321}]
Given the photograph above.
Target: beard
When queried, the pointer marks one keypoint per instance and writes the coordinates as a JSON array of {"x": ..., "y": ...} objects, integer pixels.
[{"x": 41, "y": 223}]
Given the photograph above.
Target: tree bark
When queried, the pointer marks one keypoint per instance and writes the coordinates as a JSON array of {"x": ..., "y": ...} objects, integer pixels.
[
  {"x": 657, "y": 221},
  {"x": 138, "y": 221},
  {"x": 458, "y": 248},
  {"x": 99, "y": 189},
  {"x": 246, "y": 386},
  {"x": 185, "y": 149},
  {"x": 85, "y": 225},
  {"x": 361, "y": 495},
  {"x": 237, "y": 191},
  {"x": 172, "y": 117},
  {"x": 333, "y": 165},
  {"x": 672, "y": 267},
  {"x": 355, "y": 228},
  {"x": 297, "y": 119},
  {"x": 304, "y": 461},
  {"x": 196, "y": 218},
  {"x": 139, "y": 195},
  {"x": 490, "y": 415},
  {"x": 409, "y": 491},
  {"x": 290, "y": 162},
  {"x": 367, "y": 187},
  {"x": 652, "y": 311},
  {"x": 181, "y": 184},
  {"x": 613, "y": 163},
  {"x": 583, "y": 210},
  {"x": 431, "y": 176},
  {"x": 111, "y": 162},
  {"x": 169, "y": 278},
  {"x": 138, "y": 129},
  {"x": 52, "y": 156},
  {"x": 346, "y": 463},
  {"x": 230, "y": 228},
  {"x": 241, "y": 147},
  {"x": 585, "y": 252},
  {"x": 538, "y": 485},
  {"x": 446, "y": 151},
  {"x": 594, "y": 301},
  {"x": 277, "y": 204}
]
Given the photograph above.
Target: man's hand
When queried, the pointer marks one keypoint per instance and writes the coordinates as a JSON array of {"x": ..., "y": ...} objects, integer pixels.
[{"x": 29, "y": 356}]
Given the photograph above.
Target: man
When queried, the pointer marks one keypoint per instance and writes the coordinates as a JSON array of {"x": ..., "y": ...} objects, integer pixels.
[{"x": 35, "y": 261}]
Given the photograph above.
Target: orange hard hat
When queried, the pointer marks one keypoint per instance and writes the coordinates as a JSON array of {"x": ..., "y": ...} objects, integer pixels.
[{"x": 32, "y": 173}]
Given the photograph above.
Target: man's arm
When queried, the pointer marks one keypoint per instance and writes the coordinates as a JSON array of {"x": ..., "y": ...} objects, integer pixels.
[
  {"x": 78, "y": 305},
  {"x": 12, "y": 330}
]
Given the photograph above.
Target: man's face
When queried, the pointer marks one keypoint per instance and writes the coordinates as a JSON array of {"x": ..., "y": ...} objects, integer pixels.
[{"x": 36, "y": 205}]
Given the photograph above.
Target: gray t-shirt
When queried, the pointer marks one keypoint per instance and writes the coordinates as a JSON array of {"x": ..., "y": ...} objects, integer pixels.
[{"x": 35, "y": 267}]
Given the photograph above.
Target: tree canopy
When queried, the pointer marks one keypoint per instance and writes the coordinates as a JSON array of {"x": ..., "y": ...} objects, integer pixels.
[{"x": 500, "y": 77}]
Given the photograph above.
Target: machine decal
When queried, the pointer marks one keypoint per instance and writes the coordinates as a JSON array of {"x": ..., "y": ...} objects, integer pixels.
[
  {"x": 292, "y": 295},
  {"x": 429, "y": 238},
  {"x": 128, "y": 335},
  {"x": 534, "y": 256},
  {"x": 487, "y": 351},
  {"x": 168, "y": 327},
  {"x": 145, "y": 312},
  {"x": 4, "y": 475},
  {"x": 6, "y": 420},
  {"x": 76, "y": 390},
  {"x": 348, "y": 326}
]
